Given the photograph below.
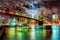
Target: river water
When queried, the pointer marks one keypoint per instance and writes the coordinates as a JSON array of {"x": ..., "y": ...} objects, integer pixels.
[{"x": 34, "y": 33}]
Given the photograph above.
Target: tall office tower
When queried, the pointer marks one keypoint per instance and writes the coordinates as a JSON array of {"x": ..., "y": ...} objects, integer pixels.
[{"x": 55, "y": 18}]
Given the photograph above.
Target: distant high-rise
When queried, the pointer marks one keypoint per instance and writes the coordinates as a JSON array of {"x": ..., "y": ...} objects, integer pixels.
[{"x": 55, "y": 18}]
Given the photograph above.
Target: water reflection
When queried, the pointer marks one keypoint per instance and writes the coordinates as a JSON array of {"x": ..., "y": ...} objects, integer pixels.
[
  {"x": 43, "y": 34},
  {"x": 55, "y": 32},
  {"x": 10, "y": 34},
  {"x": 32, "y": 33},
  {"x": 20, "y": 36},
  {"x": 37, "y": 32}
]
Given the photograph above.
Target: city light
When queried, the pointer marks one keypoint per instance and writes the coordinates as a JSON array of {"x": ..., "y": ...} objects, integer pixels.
[
  {"x": 29, "y": 20},
  {"x": 55, "y": 32},
  {"x": 32, "y": 36}
]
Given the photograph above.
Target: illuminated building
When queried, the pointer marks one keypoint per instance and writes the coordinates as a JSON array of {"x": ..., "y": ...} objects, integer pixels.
[{"x": 55, "y": 18}]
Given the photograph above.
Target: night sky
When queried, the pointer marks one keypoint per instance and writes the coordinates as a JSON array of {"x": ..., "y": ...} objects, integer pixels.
[{"x": 29, "y": 6}]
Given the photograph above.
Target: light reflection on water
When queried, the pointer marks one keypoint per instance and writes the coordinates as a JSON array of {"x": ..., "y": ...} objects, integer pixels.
[
  {"x": 20, "y": 36},
  {"x": 10, "y": 34},
  {"x": 32, "y": 33},
  {"x": 55, "y": 32},
  {"x": 35, "y": 33}
]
